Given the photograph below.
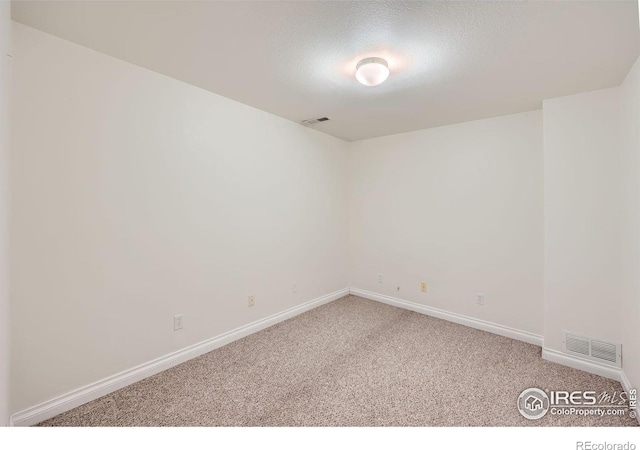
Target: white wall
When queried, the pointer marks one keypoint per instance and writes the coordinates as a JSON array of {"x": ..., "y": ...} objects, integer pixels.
[
  {"x": 5, "y": 38},
  {"x": 630, "y": 308},
  {"x": 583, "y": 216},
  {"x": 459, "y": 207},
  {"x": 140, "y": 197},
  {"x": 592, "y": 218}
]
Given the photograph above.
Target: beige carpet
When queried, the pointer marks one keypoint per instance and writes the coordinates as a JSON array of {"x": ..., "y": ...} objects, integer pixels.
[{"x": 352, "y": 362}]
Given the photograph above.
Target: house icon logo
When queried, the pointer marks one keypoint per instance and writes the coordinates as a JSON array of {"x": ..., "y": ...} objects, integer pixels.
[{"x": 533, "y": 403}]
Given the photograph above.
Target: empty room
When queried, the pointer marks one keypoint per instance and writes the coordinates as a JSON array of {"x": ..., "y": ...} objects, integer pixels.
[{"x": 327, "y": 215}]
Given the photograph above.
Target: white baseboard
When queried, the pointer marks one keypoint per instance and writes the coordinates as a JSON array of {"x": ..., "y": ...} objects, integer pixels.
[
  {"x": 585, "y": 365},
  {"x": 491, "y": 327},
  {"x": 624, "y": 381},
  {"x": 73, "y": 399}
]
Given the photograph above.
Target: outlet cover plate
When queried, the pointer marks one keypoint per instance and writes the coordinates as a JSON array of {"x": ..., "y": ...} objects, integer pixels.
[{"x": 178, "y": 322}]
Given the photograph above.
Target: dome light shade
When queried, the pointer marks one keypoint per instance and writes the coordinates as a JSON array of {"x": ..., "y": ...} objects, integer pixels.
[{"x": 372, "y": 71}]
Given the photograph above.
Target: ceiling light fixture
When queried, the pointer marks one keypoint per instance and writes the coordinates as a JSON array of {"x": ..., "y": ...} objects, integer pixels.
[{"x": 372, "y": 71}]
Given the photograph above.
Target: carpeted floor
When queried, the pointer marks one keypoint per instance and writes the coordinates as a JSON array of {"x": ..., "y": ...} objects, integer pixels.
[{"x": 352, "y": 362}]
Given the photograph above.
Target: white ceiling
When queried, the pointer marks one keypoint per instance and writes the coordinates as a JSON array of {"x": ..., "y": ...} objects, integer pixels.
[{"x": 450, "y": 61}]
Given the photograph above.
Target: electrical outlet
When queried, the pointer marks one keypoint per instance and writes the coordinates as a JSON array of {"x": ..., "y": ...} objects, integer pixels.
[
  {"x": 379, "y": 278},
  {"x": 178, "y": 322},
  {"x": 480, "y": 299},
  {"x": 423, "y": 287},
  {"x": 294, "y": 289},
  {"x": 252, "y": 301}
]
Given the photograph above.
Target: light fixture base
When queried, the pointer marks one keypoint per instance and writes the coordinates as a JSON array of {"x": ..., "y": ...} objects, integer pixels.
[{"x": 372, "y": 60}]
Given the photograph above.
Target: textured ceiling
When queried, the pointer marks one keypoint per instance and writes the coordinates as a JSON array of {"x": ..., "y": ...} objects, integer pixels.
[{"x": 450, "y": 61}]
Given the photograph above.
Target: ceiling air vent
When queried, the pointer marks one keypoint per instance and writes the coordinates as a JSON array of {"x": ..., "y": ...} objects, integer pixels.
[
  {"x": 314, "y": 121},
  {"x": 593, "y": 349}
]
